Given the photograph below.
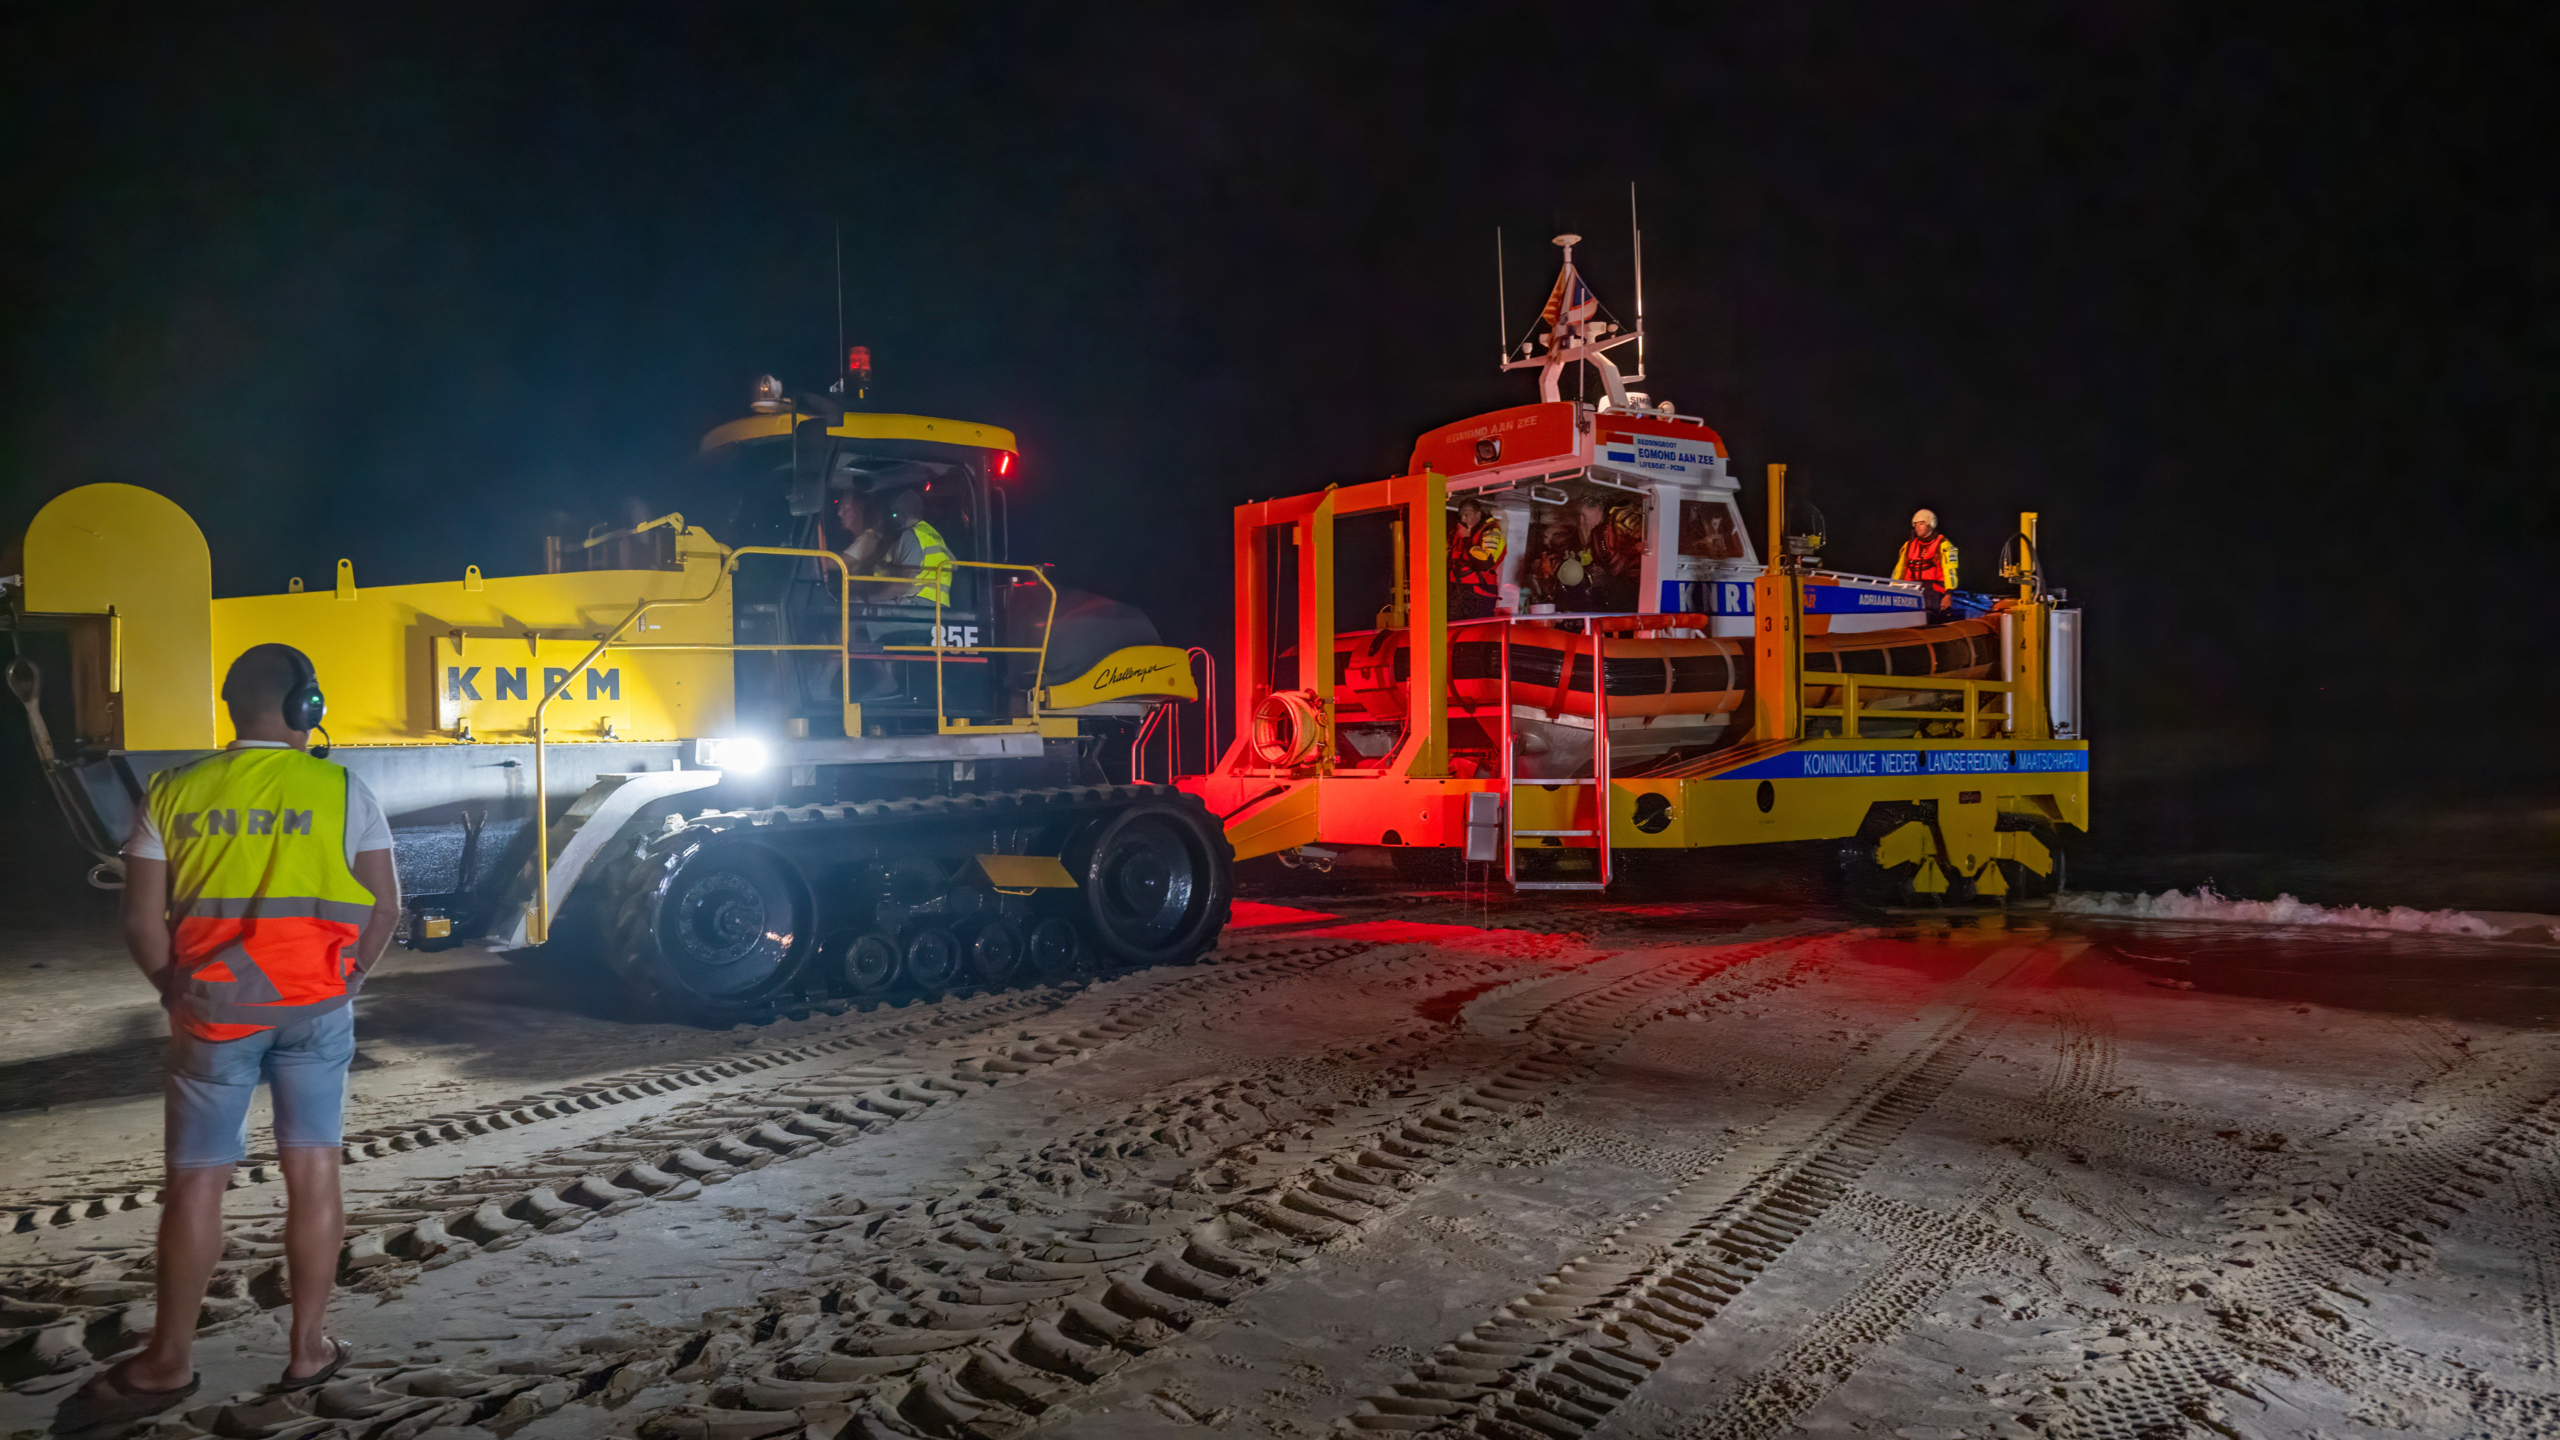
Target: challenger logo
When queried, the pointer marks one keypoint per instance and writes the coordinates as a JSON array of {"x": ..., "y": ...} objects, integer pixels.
[{"x": 1106, "y": 679}]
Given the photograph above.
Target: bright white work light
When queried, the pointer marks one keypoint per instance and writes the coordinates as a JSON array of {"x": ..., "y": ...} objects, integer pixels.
[{"x": 740, "y": 753}]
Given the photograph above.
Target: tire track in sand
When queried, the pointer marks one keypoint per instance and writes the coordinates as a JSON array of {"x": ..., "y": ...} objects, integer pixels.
[
  {"x": 1935, "y": 1247},
  {"x": 1560, "y": 1359},
  {"x": 65, "y": 1314},
  {"x": 2280, "y": 1280}
]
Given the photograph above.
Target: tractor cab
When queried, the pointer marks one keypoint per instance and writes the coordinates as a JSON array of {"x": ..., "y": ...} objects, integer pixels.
[{"x": 892, "y": 495}]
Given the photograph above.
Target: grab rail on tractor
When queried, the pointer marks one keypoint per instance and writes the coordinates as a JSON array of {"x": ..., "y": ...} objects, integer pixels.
[
  {"x": 538, "y": 925},
  {"x": 1165, "y": 719},
  {"x": 1977, "y": 721}
]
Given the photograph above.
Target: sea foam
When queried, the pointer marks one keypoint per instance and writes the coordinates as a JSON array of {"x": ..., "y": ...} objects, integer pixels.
[{"x": 2205, "y": 904}]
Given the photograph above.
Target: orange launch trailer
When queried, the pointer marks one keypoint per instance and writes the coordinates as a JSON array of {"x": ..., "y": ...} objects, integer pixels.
[{"x": 1626, "y": 673}]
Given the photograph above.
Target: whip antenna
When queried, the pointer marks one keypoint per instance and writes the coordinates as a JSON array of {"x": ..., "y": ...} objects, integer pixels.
[
  {"x": 843, "y": 363},
  {"x": 1501, "y": 296},
  {"x": 1635, "y": 227}
]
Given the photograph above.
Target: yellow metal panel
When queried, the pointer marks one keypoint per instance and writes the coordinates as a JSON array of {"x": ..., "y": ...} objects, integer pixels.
[
  {"x": 1909, "y": 844},
  {"x": 1126, "y": 674},
  {"x": 1315, "y": 615},
  {"x": 2023, "y": 847},
  {"x": 1282, "y": 823},
  {"x": 871, "y": 427},
  {"x": 1427, "y": 696},
  {"x": 382, "y": 656},
  {"x": 1550, "y": 807},
  {"x": 123, "y": 549},
  {"x": 1026, "y": 872}
]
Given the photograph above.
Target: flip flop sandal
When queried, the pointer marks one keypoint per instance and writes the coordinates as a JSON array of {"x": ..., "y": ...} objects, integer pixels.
[
  {"x": 318, "y": 1377},
  {"x": 106, "y": 1399}
]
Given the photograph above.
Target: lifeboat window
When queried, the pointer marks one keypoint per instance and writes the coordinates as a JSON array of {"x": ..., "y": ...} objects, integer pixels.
[
  {"x": 1695, "y": 674},
  {"x": 1585, "y": 554},
  {"x": 1862, "y": 662},
  {"x": 1710, "y": 530}
]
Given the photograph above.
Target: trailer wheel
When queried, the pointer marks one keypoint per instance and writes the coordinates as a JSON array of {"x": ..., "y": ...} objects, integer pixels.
[
  {"x": 867, "y": 967},
  {"x": 730, "y": 929},
  {"x": 1156, "y": 880},
  {"x": 996, "y": 951},
  {"x": 1058, "y": 952},
  {"x": 932, "y": 959}
]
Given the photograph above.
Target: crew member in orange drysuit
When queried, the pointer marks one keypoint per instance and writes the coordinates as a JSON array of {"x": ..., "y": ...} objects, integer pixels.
[
  {"x": 1475, "y": 561},
  {"x": 1930, "y": 558}
]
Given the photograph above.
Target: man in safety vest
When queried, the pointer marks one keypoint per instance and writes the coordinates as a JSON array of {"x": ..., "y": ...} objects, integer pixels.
[
  {"x": 912, "y": 547},
  {"x": 1930, "y": 558},
  {"x": 1475, "y": 562},
  {"x": 917, "y": 550},
  {"x": 259, "y": 889}
]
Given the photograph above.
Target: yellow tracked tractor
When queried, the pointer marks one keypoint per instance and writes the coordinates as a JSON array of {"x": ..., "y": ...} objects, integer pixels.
[{"x": 756, "y": 772}]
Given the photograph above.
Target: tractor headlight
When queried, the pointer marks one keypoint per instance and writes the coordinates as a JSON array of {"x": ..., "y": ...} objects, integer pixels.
[{"x": 740, "y": 753}]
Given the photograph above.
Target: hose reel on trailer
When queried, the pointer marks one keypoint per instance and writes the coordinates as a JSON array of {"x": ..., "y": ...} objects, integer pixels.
[{"x": 1288, "y": 729}]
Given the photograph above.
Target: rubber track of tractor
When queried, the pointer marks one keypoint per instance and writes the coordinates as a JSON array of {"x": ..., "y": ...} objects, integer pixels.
[{"x": 629, "y": 893}]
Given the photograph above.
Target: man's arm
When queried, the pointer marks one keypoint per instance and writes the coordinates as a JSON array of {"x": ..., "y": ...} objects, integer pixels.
[
  {"x": 146, "y": 918},
  {"x": 375, "y": 872},
  {"x": 1947, "y": 554}
]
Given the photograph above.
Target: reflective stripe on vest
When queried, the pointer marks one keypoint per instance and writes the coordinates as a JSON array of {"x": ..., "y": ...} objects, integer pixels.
[
  {"x": 1924, "y": 560},
  {"x": 933, "y": 580},
  {"x": 264, "y": 912}
]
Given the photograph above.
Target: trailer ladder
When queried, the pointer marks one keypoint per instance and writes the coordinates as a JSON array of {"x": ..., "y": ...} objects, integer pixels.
[{"x": 1597, "y": 831}]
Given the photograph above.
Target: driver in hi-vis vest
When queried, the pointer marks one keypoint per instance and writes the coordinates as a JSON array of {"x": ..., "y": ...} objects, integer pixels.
[{"x": 259, "y": 889}]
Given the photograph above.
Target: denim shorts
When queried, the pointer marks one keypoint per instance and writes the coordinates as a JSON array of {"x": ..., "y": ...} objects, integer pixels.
[{"x": 210, "y": 1083}]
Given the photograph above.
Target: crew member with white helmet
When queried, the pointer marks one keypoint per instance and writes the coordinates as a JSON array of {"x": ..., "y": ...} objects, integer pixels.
[{"x": 1930, "y": 558}]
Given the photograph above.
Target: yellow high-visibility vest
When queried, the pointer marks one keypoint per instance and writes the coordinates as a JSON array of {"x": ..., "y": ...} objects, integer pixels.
[
  {"x": 933, "y": 580},
  {"x": 264, "y": 912}
]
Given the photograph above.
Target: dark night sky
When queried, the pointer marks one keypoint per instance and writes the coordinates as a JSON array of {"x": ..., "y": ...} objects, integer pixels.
[{"x": 2261, "y": 319}]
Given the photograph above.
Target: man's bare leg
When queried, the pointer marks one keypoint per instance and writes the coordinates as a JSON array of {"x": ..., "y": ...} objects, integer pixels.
[
  {"x": 190, "y": 1246},
  {"x": 315, "y": 1230}
]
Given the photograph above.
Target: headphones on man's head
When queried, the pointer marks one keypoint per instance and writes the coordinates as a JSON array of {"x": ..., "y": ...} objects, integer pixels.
[{"x": 304, "y": 705}]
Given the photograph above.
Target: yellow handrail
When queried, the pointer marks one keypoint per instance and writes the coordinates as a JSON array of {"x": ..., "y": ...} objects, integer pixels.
[
  {"x": 1850, "y": 709},
  {"x": 538, "y": 924}
]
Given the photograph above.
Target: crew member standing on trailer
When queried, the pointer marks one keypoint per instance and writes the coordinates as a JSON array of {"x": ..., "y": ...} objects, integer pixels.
[
  {"x": 1930, "y": 558},
  {"x": 259, "y": 889},
  {"x": 1475, "y": 562}
]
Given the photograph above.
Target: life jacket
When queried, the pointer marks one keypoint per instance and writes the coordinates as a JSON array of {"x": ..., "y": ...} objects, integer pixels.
[
  {"x": 1475, "y": 556},
  {"x": 264, "y": 912},
  {"x": 1925, "y": 561}
]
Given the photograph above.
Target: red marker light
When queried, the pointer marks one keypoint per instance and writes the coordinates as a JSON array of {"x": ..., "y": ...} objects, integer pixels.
[{"x": 1003, "y": 466}]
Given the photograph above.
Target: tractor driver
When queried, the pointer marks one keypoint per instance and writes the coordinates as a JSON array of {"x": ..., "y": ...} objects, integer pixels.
[
  {"x": 1475, "y": 561},
  {"x": 1928, "y": 557},
  {"x": 862, "y": 550},
  {"x": 916, "y": 548}
]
